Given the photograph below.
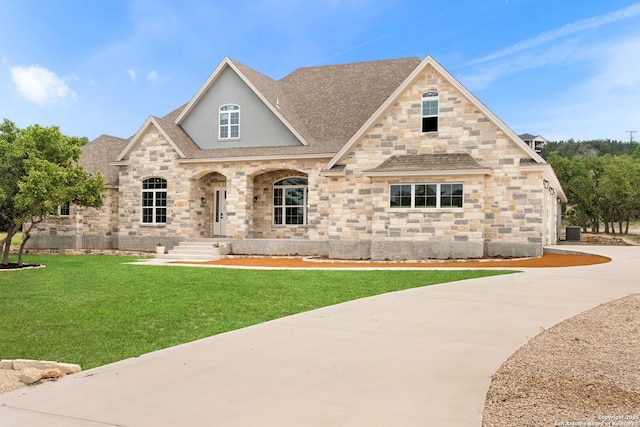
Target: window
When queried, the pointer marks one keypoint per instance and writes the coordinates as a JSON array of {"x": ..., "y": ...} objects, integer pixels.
[
  {"x": 426, "y": 196},
  {"x": 229, "y": 122},
  {"x": 290, "y": 201},
  {"x": 430, "y": 112},
  {"x": 538, "y": 146},
  {"x": 62, "y": 210},
  {"x": 154, "y": 201}
]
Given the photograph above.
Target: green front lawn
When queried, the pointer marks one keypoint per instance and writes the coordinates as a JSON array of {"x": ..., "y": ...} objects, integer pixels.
[{"x": 93, "y": 310}]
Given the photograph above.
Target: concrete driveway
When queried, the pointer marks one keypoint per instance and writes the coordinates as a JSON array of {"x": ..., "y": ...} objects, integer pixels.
[{"x": 421, "y": 357}]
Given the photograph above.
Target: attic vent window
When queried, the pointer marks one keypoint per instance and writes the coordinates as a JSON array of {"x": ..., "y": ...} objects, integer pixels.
[
  {"x": 229, "y": 122},
  {"x": 430, "y": 112}
]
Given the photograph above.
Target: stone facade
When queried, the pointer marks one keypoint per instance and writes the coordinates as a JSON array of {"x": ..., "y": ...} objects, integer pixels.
[{"x": 507, "y": 211}]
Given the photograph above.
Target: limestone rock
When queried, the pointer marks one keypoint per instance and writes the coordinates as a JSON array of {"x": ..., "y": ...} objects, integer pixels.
[
  {"x": 20, "y": 364},
  {"x": 51, "y": 373},
  {"x": 69, "y": 368},
  {"x": 30, "y": 375}
]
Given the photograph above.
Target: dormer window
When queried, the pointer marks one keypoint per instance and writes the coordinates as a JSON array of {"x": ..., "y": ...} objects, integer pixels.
[
  {"x": 430, "y": 112},
  {"x": 229, "y": 123}
]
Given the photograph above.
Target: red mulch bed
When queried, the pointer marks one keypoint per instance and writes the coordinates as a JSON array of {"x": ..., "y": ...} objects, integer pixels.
[{"x": 547, "y": 260}]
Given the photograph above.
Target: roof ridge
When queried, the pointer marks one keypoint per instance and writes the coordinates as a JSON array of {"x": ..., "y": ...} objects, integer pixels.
[{"x": 345, "y": 64}]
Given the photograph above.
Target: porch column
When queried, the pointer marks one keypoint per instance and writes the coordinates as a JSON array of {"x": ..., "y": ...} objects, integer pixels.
[{"x": 239, "y": 205}]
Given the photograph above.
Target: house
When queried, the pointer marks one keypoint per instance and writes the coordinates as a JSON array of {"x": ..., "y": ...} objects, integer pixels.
[
  {"x": 536, "y": 142},
  {"x": 390, "y": 159}
]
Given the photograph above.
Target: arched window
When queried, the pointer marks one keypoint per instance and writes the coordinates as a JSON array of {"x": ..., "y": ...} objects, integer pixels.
[
  {"x": 430, "y": 112},
  {"x": 154, "y": 201},
  {"x": 290, "y": 201},
  {"x": 229, "y": 122}
]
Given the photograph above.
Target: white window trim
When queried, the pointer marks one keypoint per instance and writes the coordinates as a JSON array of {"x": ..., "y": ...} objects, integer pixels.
[
  {"x": 58, "y": 212},
  {"x": 284, "y": 205},
  {"x": 438, "y": 207},
  {"x": 228, "y": 126},
  {"x": 153, "y": 207},
  {"x": 429, "y": 95}
]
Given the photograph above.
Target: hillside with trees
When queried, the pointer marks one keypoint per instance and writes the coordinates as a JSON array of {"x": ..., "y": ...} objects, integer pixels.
[{"x": 601, "y": 179}]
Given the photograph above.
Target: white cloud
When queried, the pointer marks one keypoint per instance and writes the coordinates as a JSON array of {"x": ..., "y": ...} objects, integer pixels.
[
  {"x": 153, "y": 77},
  {"x": 566, "y": 30},
  {"x": 605, "y": 104},
  {"x": 616, "y": 63},
  {"x": 41, "y": 86},
  {"x": 132, "y": 74},
  {"x": 559, "y": 46}
]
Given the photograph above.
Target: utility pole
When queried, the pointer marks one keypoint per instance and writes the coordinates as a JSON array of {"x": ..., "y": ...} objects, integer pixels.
[{"x": 631, "y": 132}]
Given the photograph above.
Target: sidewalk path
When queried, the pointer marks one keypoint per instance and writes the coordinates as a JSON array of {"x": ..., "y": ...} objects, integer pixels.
[{"x": 421, "y": 357}]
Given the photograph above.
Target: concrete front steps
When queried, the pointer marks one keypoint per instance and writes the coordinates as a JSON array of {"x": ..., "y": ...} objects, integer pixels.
[{"x": 198, "y": 250}]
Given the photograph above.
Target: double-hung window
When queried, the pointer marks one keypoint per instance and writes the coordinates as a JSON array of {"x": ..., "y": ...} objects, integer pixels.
[
  {"x": 290, "y": 201},
  {"x": 229, "y": 122},
  {"x": 154, "y": 201},
  {"x": 425, "y": 196},
  {"x": 430, "y": 112},
  {"x": 62, "y": 210}
]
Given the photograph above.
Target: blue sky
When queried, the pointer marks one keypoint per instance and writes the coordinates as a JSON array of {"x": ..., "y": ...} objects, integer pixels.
[{"x": 561, "y": 69}]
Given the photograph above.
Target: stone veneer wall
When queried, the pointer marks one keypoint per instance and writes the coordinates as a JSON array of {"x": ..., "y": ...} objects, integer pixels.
[
  {"x": 255, "y": 202},
  {"x": 155, "y": 157},
  {"x": 501, "y": 212},
  {"x": 84, "y": 228}
]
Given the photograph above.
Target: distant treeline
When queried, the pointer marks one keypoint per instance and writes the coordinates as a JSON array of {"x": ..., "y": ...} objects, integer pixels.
[{"x": 593, "y": 148}]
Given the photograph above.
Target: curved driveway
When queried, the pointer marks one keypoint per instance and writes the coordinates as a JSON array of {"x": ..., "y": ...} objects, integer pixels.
[{"x": 421, "y": 357}]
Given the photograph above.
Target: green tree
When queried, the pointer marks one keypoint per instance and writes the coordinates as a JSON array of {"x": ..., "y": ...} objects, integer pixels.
[
  {"x": 604, "y": 189},
  {"x": 580, "y": 178},
  {"x": 39, "y": 171}
]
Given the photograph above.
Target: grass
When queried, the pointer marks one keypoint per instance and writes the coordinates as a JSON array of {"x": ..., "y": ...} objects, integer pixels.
[
  {"x": 94, "y": 310},
  {"x": 15, "y": 241}
]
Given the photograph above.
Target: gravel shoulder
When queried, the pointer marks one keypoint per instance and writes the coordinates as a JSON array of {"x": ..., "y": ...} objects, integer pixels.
[
  {"x": 9, "y": 380},
  {"x": 577, "y": 372}
]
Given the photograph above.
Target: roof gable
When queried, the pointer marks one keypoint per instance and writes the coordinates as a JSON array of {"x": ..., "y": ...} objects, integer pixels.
[
  {"x": 158, "y": 124},
  {"x": 262, "y": 86},
  {"x": 429, "y": 61}
]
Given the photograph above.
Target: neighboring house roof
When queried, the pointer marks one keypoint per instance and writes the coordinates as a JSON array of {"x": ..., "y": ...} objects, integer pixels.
[
  {"x": 527, "y": 136},
  {"x": 429, "y": 164}
]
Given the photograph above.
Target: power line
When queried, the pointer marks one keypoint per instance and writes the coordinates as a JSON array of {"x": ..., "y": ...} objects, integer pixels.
[{"x": 631, "y": 132}]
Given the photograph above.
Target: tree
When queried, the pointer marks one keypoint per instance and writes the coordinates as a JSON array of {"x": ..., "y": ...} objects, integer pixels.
[
  {"x": 600, "y": 189},
  {"x": 39, "y": 171}
]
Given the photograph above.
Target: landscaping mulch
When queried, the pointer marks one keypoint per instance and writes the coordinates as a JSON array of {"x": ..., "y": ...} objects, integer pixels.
[{"x": 547, "y": 260}]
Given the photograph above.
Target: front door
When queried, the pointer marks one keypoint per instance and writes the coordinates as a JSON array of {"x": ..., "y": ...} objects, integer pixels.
[{"x": 219, "y": 211}]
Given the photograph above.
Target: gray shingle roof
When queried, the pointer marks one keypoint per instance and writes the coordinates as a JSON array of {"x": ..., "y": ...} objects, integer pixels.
[
  {"x": 427, "y": 162},
  {"x": 335, "y": 101},
  {"x": 97, "y": 154},
  {"x": 526, "y": 137},
  {"x": 326, "y": 105}
]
